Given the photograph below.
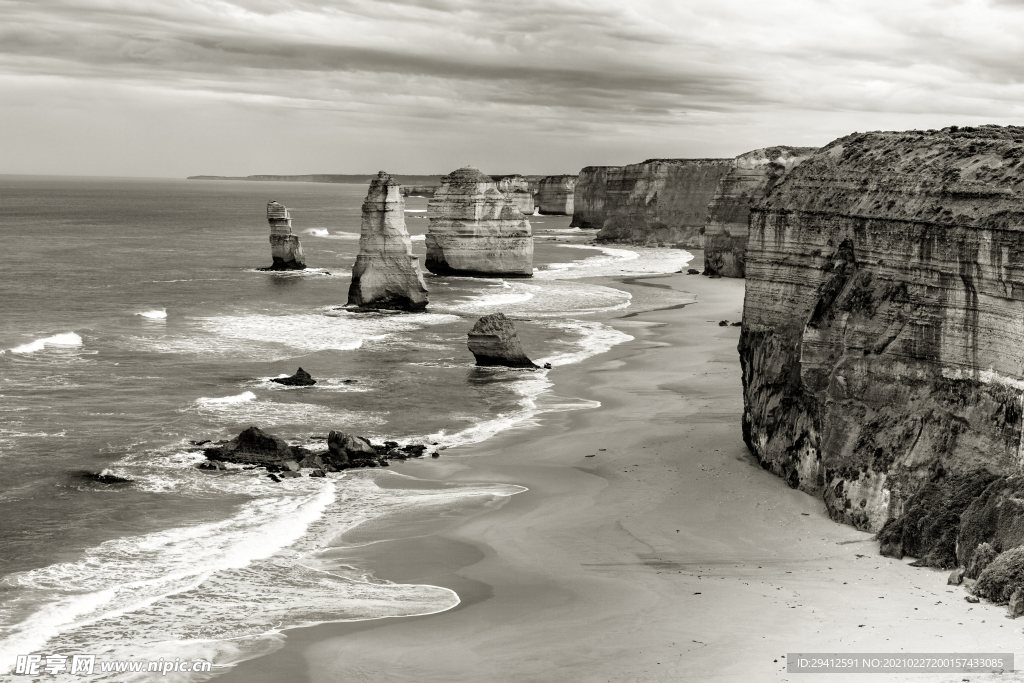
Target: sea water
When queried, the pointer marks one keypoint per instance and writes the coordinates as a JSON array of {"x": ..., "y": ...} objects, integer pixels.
[{"x": 136, "y": 320}]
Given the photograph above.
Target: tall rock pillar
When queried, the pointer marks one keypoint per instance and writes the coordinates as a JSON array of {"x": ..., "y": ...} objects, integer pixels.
[
  {"x": 284, "y": 246},
  {"x": 386, "y": 274}
]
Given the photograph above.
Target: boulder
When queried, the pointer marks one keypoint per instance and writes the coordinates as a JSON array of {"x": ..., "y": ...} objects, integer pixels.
[
  {"x": 980, "y": 559},
  {"x": 995, "y": 517},
  {"x": 753, "y": 175},
  {"x": 493, "y": 341},
  {"x": 386, "y": 275},
  {"x": 475, "y": 231},
  {"x": 299, "y": 379},
  {"x": 255, "y": 447},
  {"x": 555, "y": 195},
  {"x": 880, "y": 348},
  {"x": 284, "y": 246},
  {"x": 1002, "y": 578}
]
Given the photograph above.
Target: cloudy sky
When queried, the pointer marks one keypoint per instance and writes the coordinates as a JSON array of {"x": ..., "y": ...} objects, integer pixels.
[{"x": 233, "y": 87}]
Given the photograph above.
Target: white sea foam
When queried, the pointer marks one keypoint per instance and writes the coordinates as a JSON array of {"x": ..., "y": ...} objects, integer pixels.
[
  {"x": 617, "y": 262},
  {"x": 418, "y": 238},
  {"x": 244, "y": 397},
  {"x": 415, "y": 210},
  {"x": 155, "y": 314},
  {"x": 342, "y": 235},
  {"x": 223, "y": 590},
  {"x": 594, "y": 338},
  {"x": 65, "y": 340},
  {"x": 319, "y": 232}
]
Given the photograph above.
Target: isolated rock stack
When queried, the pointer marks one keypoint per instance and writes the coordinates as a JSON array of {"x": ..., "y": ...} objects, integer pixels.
[
  {"x": 386, "y": 275},
  {"x": 475, "y": 231},
  {"x": 493, "y": 341},
  {"x": 556, "y": 194},
  {"x": 517, "y": 192},
  {"x": 284, "y": 246},
  {"x": 753, "y": 176}
]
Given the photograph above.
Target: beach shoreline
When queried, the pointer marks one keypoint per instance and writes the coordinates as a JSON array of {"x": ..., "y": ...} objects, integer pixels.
[{"x": 668, "y": 555}]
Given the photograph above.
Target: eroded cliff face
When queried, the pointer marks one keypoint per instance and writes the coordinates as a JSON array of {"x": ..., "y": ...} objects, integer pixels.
[
  {"x": 386, "y": 275},
  {"x": 754, "y": 174},
  {"x": 284, "y": 246},
  {"x": 475, "y": 231},
  {"x": 882, "y": 360},
  {"x": 517, "y": 191},
  {"x": 555, "y": 195},
  {"x": 657, "y": 202}
]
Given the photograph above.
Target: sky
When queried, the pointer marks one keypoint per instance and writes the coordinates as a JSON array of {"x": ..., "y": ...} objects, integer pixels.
[{"x": 170, "y": 88}]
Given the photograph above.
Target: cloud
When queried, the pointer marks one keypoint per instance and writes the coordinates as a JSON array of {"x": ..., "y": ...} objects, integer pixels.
[{"x": 623, "y": 80}]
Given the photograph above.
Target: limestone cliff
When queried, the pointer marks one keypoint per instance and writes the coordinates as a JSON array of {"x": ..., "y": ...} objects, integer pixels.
[
  {"x": 658, "y": 202},
  {"x": 516, "y": 189},
  {"x": 754, "y": 174},
  {"x": 386, "y": 275},
  {"x": 284, "y": 246},
  {"x": 474, "y": 231},
  {"x": 881, "y": 349},
  {"x": 555, "y": 195}
]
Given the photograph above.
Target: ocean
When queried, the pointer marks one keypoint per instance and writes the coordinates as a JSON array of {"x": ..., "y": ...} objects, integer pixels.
[{"x": 135, "y": 321}]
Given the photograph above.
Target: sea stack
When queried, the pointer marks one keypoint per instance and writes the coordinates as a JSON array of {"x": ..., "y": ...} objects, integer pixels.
[
  {"x": 493, "y": 341},
  {"x": 517, "y": 192},
  {"x": 556, "y": 193},
  {"x": 386, "y": 275},
  {"x": 284, "y": 246},
  {"x": 660, "y": 202},
  {"x": 753, "y": 176},
  {"x": 475, "y": 231},
  {"x": 881, "y": 345}
]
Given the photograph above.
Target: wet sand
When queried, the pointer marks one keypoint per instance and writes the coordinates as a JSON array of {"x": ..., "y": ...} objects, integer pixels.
[{"x": 669, "y": 555}]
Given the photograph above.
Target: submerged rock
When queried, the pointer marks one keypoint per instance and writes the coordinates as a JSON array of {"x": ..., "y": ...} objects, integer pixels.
[
  {"x": 300, "y": 379},
  {"x": 284, "y": 246},
  {"x": 386, "y": 275},
  {"x": 255, "y": 447},
  {"x": 517, "y": 192},
  {"x": 475, "y": 231},
  {"x": 493, "y": 341},
  {"x": 881, "y": 339},
  {"x": 753, "y": 176},
  {"x": 555, "y": 195}
]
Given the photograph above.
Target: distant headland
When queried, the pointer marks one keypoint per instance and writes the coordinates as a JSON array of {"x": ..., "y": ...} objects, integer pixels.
[{"x": 361, "y": 179}]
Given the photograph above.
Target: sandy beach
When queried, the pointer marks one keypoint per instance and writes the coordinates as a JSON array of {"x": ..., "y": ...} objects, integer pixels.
[{"x": 669, "y": 555}]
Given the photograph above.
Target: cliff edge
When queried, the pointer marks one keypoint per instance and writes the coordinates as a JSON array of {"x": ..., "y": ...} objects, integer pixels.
[{"x": 881, "y": 349}]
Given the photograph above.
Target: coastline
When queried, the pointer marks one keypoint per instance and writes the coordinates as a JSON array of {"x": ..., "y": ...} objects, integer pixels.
[{"x": 671, "y": 555}]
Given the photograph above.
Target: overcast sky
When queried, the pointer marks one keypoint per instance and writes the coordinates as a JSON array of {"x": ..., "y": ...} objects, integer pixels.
[{"x": 234, "y": 87}]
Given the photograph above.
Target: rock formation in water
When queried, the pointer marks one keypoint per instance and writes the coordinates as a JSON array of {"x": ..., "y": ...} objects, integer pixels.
[
  {"x": 475, "y": 231},
  {"x": 299, "y": 379},
  {"x": 255, "y": 447},
  {"x": 516, "y": 189},
  {"x": 493, "y": 341},
  {"x": 660, "y": 202},
  {"x": 754, "y": 174},
  {"x": 881, "y": 349},
  {"x": 420, "y": 190},
  {"x": 555, "y": 195},
  {"x": 386, "y": 275},
  {"x": 284, "y": 246}
]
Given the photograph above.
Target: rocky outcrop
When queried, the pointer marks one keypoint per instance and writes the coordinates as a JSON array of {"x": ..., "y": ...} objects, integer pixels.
[
  {"x": 284, "y": 246},
  {"x": 659, "y": 202},
  {"x": 474, "y": 231},
  {"x": 754, "y": 174},
  {"x": 881, "y": 349},
  {"x": 517, "y": 191},
  {"x": 555, "y": 195},
  {"x": 299, "y": 379},
  {"x": 493, "y": 341},
  {"x": 386, "y": 275},
  {"x": 255, "y": 447}
]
